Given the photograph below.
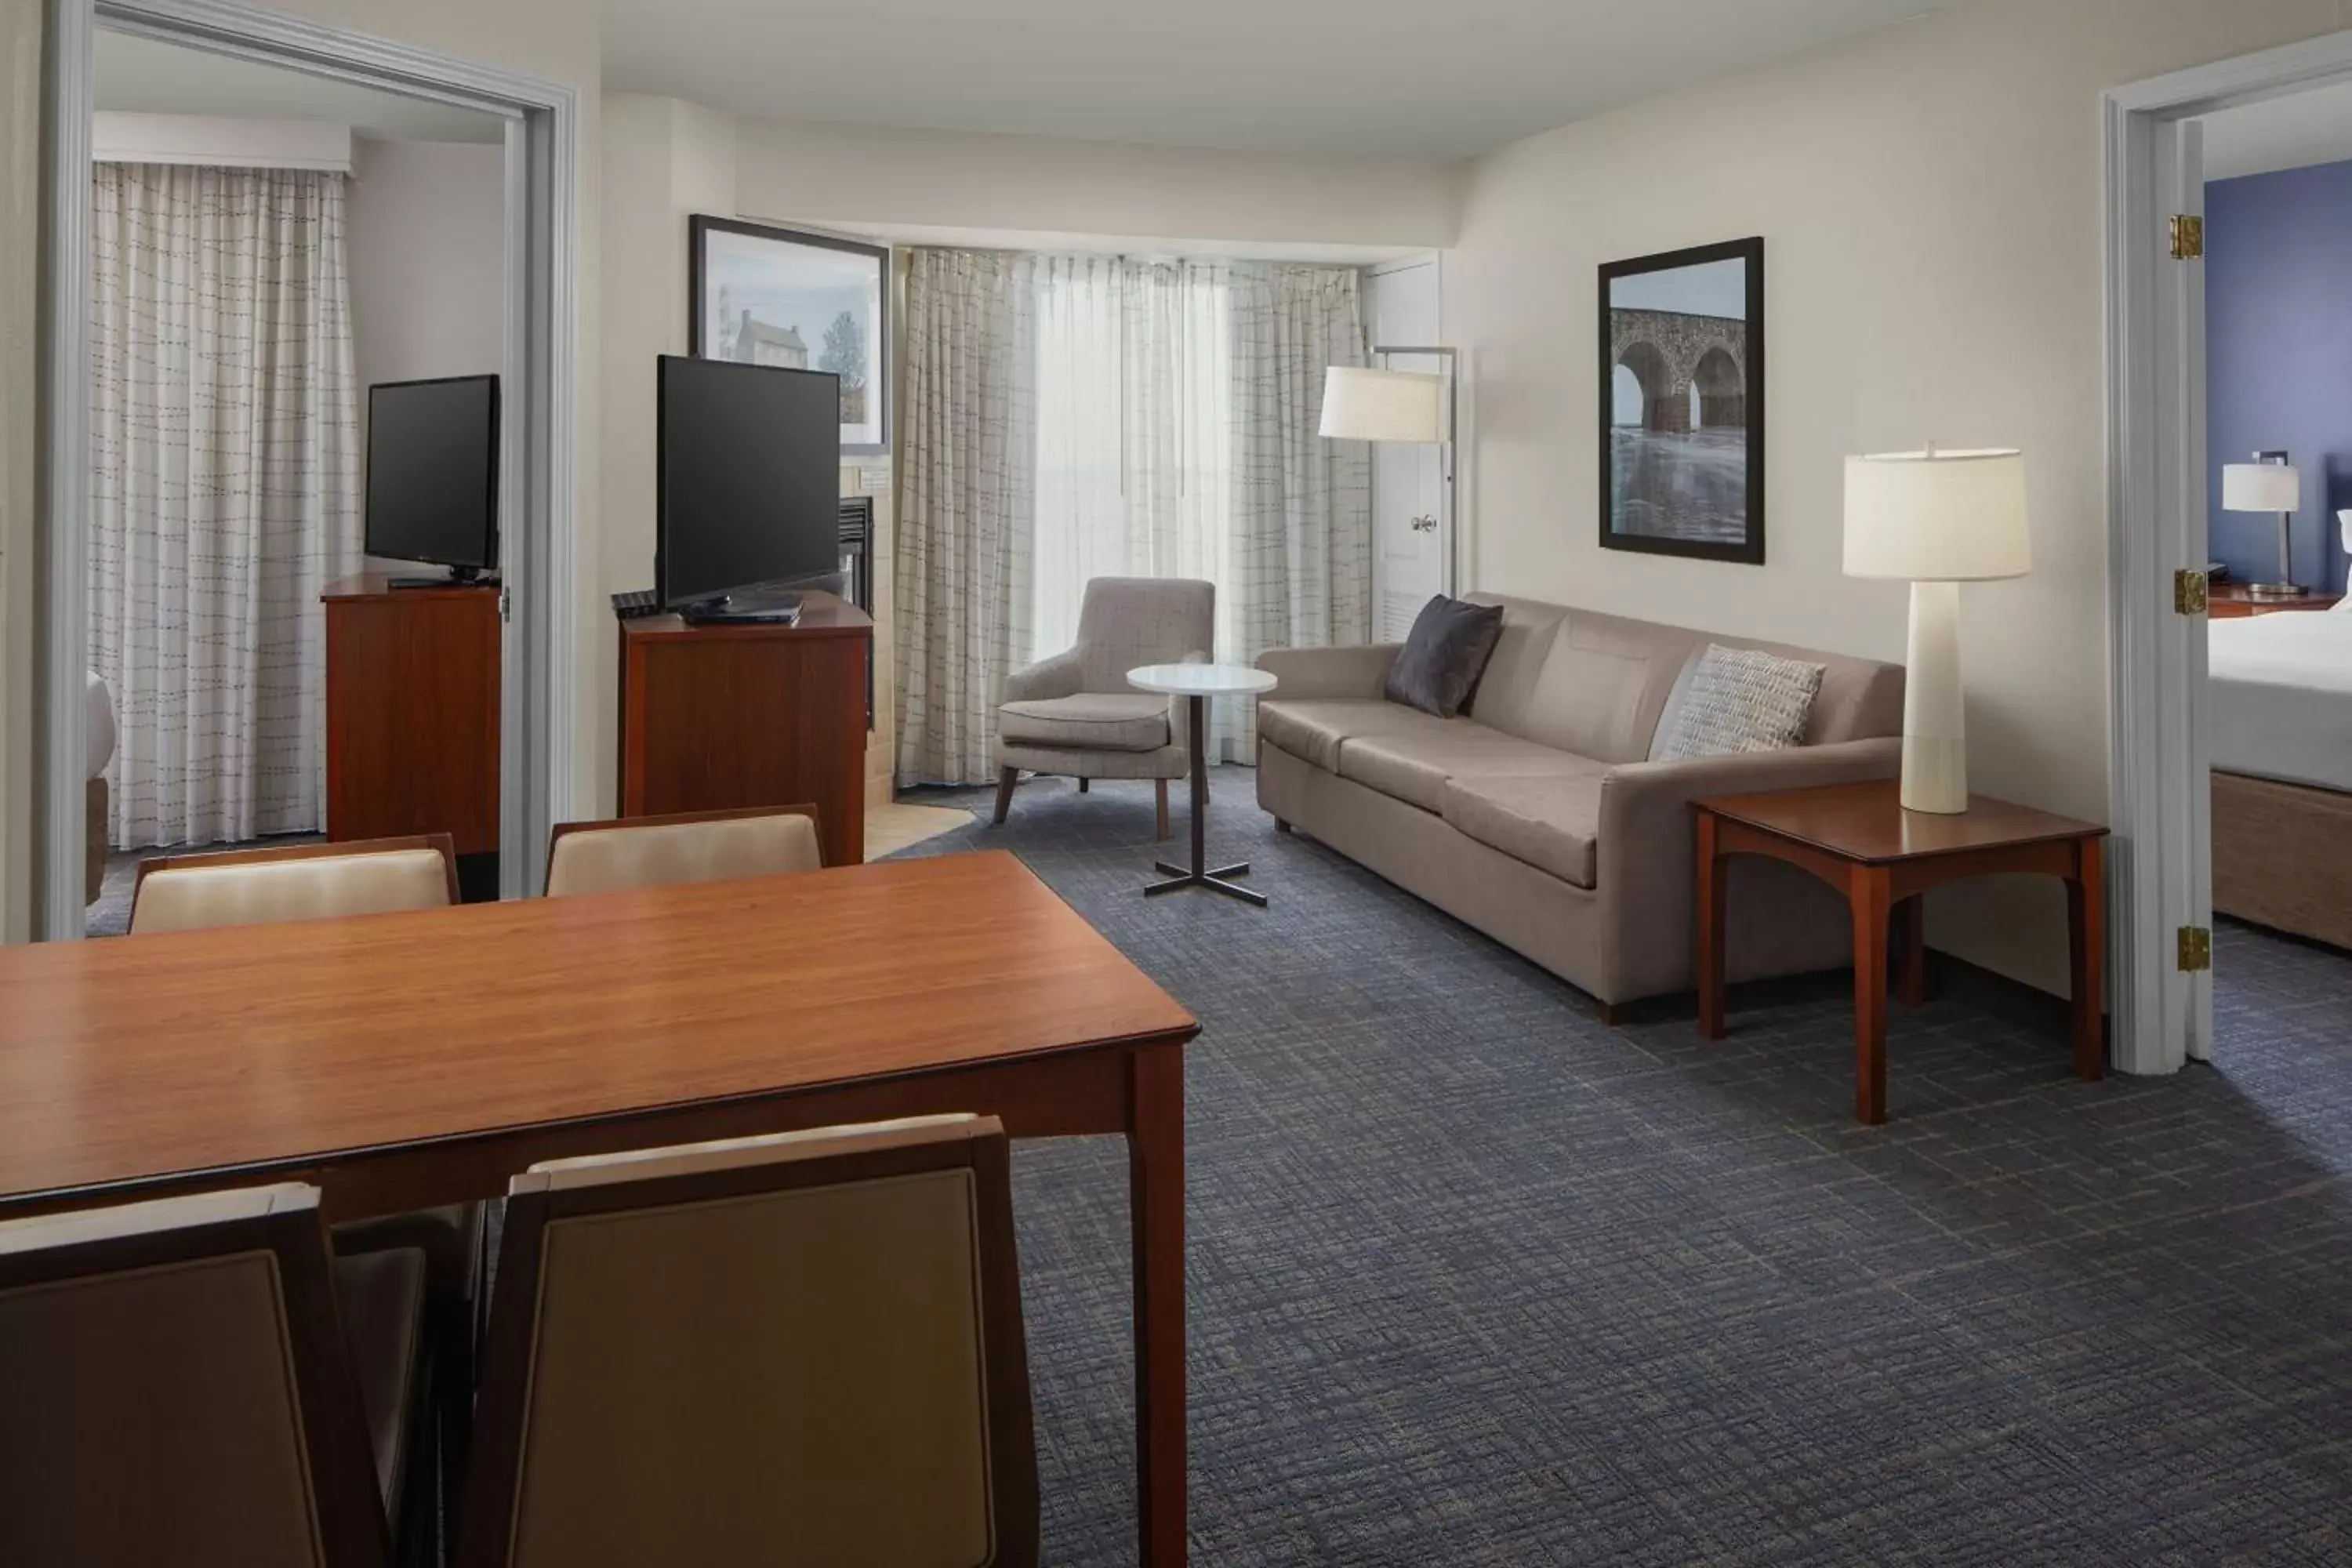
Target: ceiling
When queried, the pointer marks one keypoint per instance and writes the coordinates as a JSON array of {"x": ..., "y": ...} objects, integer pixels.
[
  {"x": 2291, "y": 132},
  {"x": 140, "y": 75},
  {"x": 1407, "y": 79}
]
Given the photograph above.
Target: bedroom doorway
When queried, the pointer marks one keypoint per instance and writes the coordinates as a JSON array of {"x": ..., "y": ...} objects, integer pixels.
[
  {"x": 2230, "y": 717},
  {"x": 528, "y": 130}
]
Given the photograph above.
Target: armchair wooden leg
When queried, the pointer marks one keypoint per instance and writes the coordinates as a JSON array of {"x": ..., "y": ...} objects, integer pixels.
[
  {"x": 1159, "y": 788},
  {"x": 1005, "y": 779}
]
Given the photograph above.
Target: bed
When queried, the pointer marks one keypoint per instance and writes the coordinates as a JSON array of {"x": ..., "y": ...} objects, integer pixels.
[
  {"x": 2281, "y": 732},
  {"x": 98, "y": 727}
]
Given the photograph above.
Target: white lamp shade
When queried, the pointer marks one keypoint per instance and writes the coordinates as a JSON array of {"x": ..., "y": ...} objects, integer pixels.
[
  {"x": 2260, "y": 487},
  {"x": 1383, "y": 405},
  {"x": 1937, "y": 517}
]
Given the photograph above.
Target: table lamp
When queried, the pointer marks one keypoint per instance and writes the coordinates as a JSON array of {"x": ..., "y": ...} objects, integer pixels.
[
  {"x": 2269, "y": 483},
  {"x": 1935, "y": 519}
]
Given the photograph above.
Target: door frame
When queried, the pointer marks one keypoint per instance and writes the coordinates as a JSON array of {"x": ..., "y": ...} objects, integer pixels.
[
  {"x": 540, "y": 636},
  {"x": 2159, "y": 791}
]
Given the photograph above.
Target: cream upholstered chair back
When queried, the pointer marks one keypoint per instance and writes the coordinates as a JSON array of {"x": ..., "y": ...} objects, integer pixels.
[
  {"x": 693, "y": 846},
  {"x": 793, "y": 1350},
  {"x": 1125, "y": 622},
  {"x": 300, "y": 882},
  {"x": 174, "y": 1388}
]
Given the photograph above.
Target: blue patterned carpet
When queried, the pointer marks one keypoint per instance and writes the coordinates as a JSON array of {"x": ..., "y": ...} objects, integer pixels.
[{"x": 1475, "y": 1279}]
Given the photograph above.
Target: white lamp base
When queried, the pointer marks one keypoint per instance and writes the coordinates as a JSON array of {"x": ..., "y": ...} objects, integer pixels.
[{"x": 1934, "y": 744}]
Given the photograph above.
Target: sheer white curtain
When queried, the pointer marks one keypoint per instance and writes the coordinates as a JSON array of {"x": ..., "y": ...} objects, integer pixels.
[
  {"x": 1071, "y": 418},
  {"x": 1177, "y": 408},
  {"x": 225, "y": 490}
]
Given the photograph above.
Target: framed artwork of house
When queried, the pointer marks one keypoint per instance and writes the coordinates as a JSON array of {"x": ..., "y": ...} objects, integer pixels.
[
  {"x": 805, "y": 302},
  {"x": 1682, "y": 402}
]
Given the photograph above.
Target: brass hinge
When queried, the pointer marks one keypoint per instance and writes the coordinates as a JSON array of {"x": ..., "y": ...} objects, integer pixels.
[
  {"x": 2187, "y": 236},
  {"x": 2189, "y": 594},
  {"x": 2195, "y": 949}
]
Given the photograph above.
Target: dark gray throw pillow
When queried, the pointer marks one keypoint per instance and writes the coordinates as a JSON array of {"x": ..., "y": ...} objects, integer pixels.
[{"x": 1444, "y": 655}]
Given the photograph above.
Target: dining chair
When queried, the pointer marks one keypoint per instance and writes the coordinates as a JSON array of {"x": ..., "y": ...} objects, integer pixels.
[
  {"x": 683, "y": 847},
  {"x": 191, "y": 1381},
  {"x": 293, "y": 882},
  {"x": 802, "y": 1349}
]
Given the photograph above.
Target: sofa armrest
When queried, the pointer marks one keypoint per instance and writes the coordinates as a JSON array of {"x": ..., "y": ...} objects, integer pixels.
[
  {"x": 1064, "y": 674},
  {"x": 1328, "y": 672},
  {"x": 1646, "y": 845}
]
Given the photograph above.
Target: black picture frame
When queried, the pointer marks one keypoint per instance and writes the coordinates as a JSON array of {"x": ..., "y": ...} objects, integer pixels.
[
  {"x": 700, "y": 229},
  {"x": 1666, "y": 414}
]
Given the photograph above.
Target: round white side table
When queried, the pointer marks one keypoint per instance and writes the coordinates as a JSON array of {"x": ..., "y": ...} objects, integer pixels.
[{"x": 1197, "y": 683}]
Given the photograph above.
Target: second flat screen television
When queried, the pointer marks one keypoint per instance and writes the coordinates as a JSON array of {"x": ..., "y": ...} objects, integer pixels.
[{"x": 748, "y": 479}]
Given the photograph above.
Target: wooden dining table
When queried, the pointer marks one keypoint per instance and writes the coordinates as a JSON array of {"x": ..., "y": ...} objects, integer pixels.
[{"x": 401, "y": 1061}]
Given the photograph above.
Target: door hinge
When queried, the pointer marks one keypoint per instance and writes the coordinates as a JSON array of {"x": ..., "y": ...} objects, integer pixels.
[
  {"x": 2195, "y": 949},
  {"x": 2189, "y": 594},
  {"x": 506, "y": 605},
  {"x": 2187, "y": 236}
]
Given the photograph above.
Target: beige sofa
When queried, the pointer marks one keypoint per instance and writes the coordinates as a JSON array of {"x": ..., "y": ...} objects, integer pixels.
[{"x": 1536, "y": 816}]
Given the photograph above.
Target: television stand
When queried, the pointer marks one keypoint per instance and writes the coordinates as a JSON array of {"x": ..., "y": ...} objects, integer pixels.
[{"x": 762, "y": 609}]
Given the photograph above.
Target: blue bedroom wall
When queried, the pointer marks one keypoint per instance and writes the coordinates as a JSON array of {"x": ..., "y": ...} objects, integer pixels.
[{"x": 2278, "y": 317}]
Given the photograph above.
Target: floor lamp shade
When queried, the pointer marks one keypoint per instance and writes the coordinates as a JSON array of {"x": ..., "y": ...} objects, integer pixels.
[
  {"x": 1365, "y": 405},
  {"x": 1935, "y": 519}
]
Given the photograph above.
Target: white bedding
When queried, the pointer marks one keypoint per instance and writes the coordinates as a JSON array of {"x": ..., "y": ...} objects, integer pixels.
[
  {"x": 2283, "y": 696},
  {"x": 98, "y": 727}
]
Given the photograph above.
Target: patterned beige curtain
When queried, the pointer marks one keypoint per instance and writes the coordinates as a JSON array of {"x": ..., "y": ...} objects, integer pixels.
[
  {"x": 1299, "y": 572},
  {"x": 225, "y": 490},
  {"x": 967, "y": 507}
]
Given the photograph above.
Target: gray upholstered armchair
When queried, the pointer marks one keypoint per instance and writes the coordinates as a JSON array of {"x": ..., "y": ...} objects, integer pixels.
[{"x": 1075, "y": 715}]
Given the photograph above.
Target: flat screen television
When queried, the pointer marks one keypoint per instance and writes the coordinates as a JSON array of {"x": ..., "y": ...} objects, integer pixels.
[
  {"x": 748, "y": 481},
  {"x": 433, "y": 472}
]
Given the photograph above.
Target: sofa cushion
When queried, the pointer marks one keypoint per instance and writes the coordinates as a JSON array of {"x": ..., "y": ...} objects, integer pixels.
[
  {"x": 1441, "y": 661},
  {"x": 1739, "y": 699},
  {"x": 1548, "y": 821},
  {"x": 1313, "y": 729},
  {"x": 1093, "y": 721},
  {"x": 1414, "y": 767}
]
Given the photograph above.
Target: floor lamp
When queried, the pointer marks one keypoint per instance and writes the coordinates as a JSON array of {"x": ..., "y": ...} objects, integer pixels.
[
  {"x": 1373, "y": 402},
  {"x": 1935, "y": 519}
]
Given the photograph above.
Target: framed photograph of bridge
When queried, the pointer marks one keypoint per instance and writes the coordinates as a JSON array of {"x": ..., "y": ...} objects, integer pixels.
[
  {"x": 1682, "y": 402},
  {"x": 807, "y": 301}
]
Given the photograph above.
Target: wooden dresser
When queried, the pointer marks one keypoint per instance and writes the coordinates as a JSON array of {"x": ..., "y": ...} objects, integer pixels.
[
  {"x": 412, "y": 711},
  {"x": 721, "y": 716},
  {"x": 2231, "y": 601}
]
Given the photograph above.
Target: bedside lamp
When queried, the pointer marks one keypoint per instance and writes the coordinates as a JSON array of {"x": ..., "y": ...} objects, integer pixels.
[
  {"x": 2269, "y": 483},
  {"x": 1935, "y": 519}
]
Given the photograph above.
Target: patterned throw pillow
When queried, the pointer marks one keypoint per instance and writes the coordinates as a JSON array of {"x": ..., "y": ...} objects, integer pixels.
[
  {"x": 1443, "y": 656},
  {"x": 1739, "y": 699}
]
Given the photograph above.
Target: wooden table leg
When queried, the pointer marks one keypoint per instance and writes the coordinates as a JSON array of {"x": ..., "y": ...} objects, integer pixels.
[
  {"x": 2086, "y": 933},
  {"x": 1868, "y": 892},
  {"x": 1911, "y": 951},
  {"x": 1155, "y": 1164},
  {"x": 1711, "y": 910}
]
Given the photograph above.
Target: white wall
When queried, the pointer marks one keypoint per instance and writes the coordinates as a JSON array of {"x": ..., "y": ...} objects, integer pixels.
[
  {"x": 855, "y": 176},
  {"x": 424, "y": 225},
  {"x": 426, "y": 236},
  {"x": 1930, "y": 199}
]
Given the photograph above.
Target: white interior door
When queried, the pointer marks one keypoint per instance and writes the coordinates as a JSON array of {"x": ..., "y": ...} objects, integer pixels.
[
  {"x": 2181, "y": 165},
  {"x": 1412, "y": 532}
]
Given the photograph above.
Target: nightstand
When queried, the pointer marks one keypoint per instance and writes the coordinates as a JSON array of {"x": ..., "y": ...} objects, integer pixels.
[{"x": 2229, "y": 601}]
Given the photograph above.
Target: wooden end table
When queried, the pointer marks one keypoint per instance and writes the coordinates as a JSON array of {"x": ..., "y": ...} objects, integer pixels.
[{"x": 1858, "y": 838}]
